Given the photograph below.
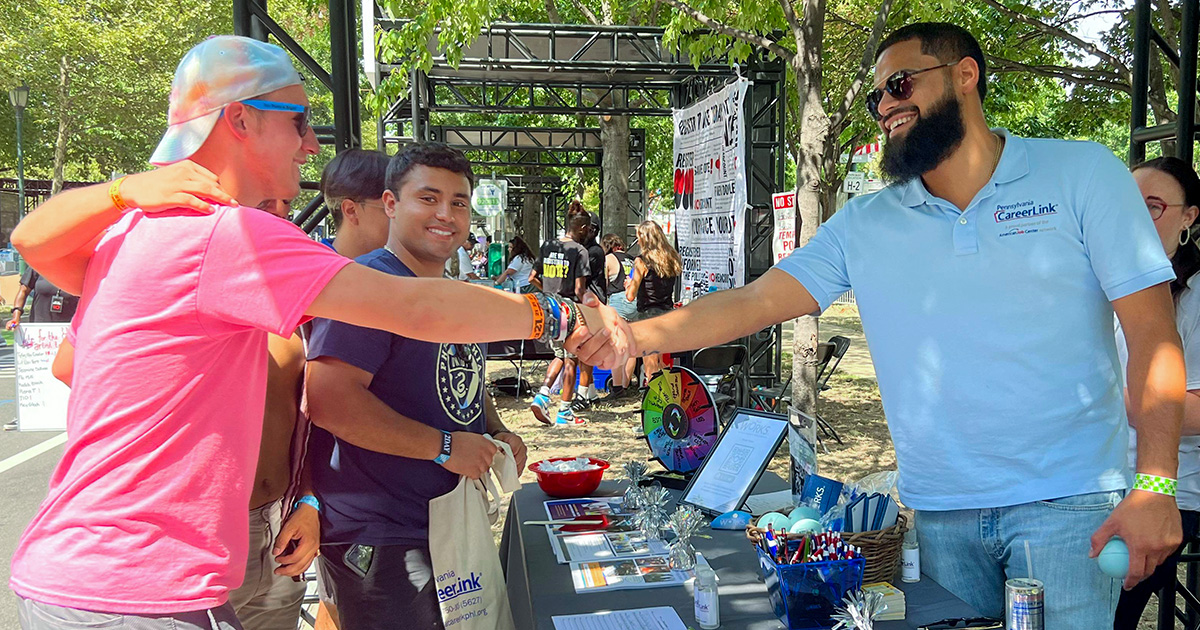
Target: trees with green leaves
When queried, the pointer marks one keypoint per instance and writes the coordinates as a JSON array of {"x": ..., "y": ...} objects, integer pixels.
[{"x": 99, "y": 73}]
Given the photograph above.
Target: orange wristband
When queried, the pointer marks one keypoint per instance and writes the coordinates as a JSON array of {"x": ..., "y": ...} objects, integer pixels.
[
  {"x": 539, "y": 317},
  {"x": 114, "y": 194}
]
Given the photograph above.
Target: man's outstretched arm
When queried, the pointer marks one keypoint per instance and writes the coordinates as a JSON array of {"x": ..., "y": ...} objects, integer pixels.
[
  {"x": 429, "y": 309},
  {"x": 59, "y": 237},
  {"x": 711, "y": 320}
]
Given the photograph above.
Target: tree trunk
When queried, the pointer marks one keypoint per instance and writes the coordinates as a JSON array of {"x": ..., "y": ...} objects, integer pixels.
[
  {"x": 614, "y": 135},
  {"x": 1157, "y": 98},
  {"x": 64, "y": 123},
  {"x": 814, "y": 128}
]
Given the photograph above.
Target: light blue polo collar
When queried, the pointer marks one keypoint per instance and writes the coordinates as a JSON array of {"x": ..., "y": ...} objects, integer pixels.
[{"x": 1014, "y": 164}]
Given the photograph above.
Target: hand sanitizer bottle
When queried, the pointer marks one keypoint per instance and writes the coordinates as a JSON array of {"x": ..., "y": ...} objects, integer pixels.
[
  {"x": 708, "y": 601},
  {"x": 910, "y": 558}
]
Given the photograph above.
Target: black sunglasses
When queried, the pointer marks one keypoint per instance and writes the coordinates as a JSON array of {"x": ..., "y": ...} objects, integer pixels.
[
  {"x": 974, "y": 623},
  {"x": 899, "y": 85}
]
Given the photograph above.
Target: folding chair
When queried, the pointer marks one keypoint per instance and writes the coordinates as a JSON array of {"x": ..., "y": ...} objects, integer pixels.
[
  {"x": 829, "y": 356},
  {"x": 722, "y": 368},
  {"x": 517, "y": 352}
]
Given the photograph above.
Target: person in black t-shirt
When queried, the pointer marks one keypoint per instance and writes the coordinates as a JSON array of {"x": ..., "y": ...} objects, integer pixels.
[
  {"x": 597, "y": 284},
  {"x": 50, "y": 304},
  {"x": 562, "y": 268}
]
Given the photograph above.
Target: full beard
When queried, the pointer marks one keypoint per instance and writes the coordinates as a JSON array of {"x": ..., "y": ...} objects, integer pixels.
[{"x": 933, "y": 137}]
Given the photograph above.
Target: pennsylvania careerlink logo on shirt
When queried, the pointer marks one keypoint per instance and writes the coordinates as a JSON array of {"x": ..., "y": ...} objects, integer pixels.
[
  {"x": 1030, "y": 217},
  {"x": 1023, "y": 210}
]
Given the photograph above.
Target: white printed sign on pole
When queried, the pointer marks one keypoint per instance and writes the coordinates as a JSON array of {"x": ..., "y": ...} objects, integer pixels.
[
  {"x": 710, "y": 191},
  {"x": 855, "y": 183},
  {"x": 784, "y": 204},
  {"x": 41, "y": 398}
]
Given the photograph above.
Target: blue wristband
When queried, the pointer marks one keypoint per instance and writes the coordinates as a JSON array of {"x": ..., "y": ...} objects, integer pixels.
[
  {"x": 307, "y": 499},
  {"x": 444, "y": 456}
]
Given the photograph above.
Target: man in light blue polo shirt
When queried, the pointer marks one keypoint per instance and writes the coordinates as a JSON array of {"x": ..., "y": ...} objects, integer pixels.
[{"x": 986, "y": 276}]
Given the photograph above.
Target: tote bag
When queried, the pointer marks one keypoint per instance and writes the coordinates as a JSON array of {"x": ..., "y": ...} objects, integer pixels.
[{"x": 466, "y": 566}]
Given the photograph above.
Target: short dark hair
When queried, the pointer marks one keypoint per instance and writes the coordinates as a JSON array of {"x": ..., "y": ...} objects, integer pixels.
[
  {"x": 354, "y": 174},
  {"x": 948, "y": 42},
  {"x": 579, "y": 221},
  {"x": 431, "y": 154}
]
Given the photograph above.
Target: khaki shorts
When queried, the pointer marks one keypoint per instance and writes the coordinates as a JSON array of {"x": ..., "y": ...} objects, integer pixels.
[{"x": 560, "y": 352}]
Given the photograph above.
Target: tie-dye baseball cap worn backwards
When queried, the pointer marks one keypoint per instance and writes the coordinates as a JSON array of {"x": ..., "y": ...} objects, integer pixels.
[{"x": 217, "y": 72}]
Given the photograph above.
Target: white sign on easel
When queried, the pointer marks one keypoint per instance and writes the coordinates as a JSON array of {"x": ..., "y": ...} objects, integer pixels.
[{"x": 41, "y": 398}]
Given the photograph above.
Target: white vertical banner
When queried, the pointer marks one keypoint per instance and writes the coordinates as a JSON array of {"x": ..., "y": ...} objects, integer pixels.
[
  {"x": 710, "y": 191},
  {"x": 784, "y": 205},
  {"x": 41, "y": 398}
]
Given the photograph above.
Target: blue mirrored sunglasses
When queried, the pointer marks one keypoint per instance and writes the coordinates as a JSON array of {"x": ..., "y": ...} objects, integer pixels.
[{"x": 276, "y": 106}]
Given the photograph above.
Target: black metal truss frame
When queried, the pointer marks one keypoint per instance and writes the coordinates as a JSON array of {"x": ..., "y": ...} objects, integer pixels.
[
  {"x": 251, "y": 18},
  {"x": 1184, "y": 129},
  {"x": 534, "y": 147}
]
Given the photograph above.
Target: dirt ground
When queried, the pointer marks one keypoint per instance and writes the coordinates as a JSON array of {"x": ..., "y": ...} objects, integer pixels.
[{"x": 851, "y": 405}]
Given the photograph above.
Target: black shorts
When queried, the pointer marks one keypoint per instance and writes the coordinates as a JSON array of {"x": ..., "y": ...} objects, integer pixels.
[{"x": 398, "y": 590}]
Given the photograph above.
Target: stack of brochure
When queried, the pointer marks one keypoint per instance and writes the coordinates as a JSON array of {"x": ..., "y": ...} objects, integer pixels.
[{"x": 892, "y": 597}]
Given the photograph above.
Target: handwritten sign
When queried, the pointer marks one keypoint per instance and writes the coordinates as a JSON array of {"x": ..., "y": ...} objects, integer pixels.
[
  {"x": 710, "y": 191},
  {"x": 41, "y": 398}
]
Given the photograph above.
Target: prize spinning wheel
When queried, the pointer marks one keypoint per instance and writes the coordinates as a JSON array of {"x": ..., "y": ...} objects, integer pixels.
[{"x": 679, "y": 419}]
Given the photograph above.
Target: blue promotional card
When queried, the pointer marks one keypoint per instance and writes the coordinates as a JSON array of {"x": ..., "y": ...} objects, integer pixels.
[{"x": 820, "y": 493}]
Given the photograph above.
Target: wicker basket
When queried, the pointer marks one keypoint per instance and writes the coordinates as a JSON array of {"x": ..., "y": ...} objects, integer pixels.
[{"x": 880, "y": 548}]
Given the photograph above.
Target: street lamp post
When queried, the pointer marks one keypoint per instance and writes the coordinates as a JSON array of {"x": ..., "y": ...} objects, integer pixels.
[{"x": 19, "y": 98}]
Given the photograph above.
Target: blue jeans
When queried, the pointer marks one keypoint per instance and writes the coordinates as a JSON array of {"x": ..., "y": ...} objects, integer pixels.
[{"x": 972, "y": 552}]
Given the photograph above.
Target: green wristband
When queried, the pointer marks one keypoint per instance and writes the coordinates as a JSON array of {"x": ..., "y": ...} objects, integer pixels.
[{"x": 1152, "y": 483}]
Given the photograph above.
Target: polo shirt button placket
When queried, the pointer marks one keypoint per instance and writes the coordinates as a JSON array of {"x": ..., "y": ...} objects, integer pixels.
[{"x": 966, "y": 241}]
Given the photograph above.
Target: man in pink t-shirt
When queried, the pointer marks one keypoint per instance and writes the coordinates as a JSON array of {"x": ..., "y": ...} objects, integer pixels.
[{"x": 146, "y": 511}]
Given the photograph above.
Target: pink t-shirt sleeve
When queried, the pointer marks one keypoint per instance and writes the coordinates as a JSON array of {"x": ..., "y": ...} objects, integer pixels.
[{"x": 260, "y": 271}]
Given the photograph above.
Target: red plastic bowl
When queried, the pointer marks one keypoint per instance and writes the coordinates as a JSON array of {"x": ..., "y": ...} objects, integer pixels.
[{"x": 569, "y": 485}]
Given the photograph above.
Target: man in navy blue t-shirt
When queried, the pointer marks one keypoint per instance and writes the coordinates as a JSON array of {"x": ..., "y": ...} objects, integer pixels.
[{"x": 399, "y": 420}]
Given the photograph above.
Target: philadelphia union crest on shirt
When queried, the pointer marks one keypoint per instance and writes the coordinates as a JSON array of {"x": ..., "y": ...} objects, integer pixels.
[{"x": 460, "y": 381}]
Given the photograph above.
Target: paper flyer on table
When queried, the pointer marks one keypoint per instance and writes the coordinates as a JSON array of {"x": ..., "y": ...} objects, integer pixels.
[
  {"x": 621, "y": 539},
  {"x": 570, "y": 508},
  {"x": 599, "y": 546},
  {"x": 633, "y": 573},
  {"x": 659, "y": 618}
]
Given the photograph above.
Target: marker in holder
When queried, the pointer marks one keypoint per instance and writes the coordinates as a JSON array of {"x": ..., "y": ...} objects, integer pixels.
[{"x": 804, "y": 596}]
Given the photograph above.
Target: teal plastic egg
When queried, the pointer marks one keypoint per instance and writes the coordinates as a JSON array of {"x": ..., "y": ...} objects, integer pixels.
[
  {"x": 773, "y": 519},
  {"x": 805, "y": 526},
  {"x": 1114, "y": 559},
  {"x": 804, "y": 512}
]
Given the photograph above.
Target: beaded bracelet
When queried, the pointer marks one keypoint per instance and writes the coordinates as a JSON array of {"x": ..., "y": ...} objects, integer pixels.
[
  {"x": 572, "y": 318},
  {"x": 1155, "y": 484}
]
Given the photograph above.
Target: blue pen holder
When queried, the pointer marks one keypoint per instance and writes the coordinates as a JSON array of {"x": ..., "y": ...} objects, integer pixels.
[{"x": 804, "y": 595}]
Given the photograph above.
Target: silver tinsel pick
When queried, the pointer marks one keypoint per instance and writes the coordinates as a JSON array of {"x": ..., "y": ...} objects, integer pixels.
[
  {"x": 685, "y": 521},
  {"x": 652, "y": 517},
  {"x": 859, "y": 611},
  {"x": 635, "y": 471}
]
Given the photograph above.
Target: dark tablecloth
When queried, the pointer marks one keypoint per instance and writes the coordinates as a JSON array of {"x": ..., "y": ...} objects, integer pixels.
[{"x": 539, "y": 587}]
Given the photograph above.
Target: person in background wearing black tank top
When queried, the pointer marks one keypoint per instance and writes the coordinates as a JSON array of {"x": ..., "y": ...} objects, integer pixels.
[
  {"x": 655, "y": 274},
  {"x": 618, "y": 266}
]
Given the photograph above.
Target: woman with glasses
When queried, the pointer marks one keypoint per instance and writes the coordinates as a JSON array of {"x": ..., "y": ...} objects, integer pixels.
[{"x": 1172, "y": 192}]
